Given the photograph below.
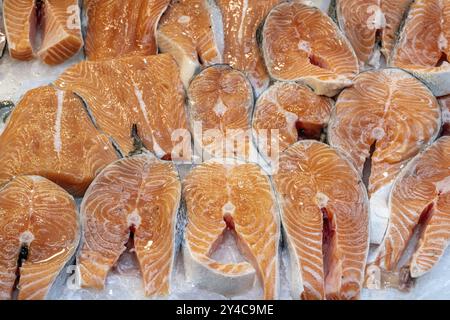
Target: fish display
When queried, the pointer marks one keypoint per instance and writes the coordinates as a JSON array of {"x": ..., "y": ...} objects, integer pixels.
[
  {"x": 325, "y": 215},
  {"x": 122, "y": 28},
  {"x": 237, "y": 197},
  {"x": 134, "y": 197},
  {"x": 381, "y": 123},
  {"x": 371, "y": 27},
  {"x": 141, "y": 91},
  {"x": 49, "y": 134},
  {"x": 420, "y": 196},
  {"x": 221, "y": 101},
  {"x": 39, "y": 233},
  {"x": 423, "y": 45},
  {"x": 190, "y": 30},
  {"x": 301, "y": 43}
]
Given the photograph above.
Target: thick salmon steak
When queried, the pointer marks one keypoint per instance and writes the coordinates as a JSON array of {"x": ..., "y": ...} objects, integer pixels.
[
  {"x": 62, "y": 37},
  {"x": 221, "y": 104},
  {"x": 381, "y": 123},
  {"x": 120, "y": 28},
  {"x": 423, "y": 47},
  {"x": 226, "y": 194},
  {"x": 134, "y": 91},
  {"x": 445, "y": 106},
  {"x": 20, "y": 18},
  {"x": 241, "y": 21},
  {"x": 139, "y": 196},
  {"x": 39, "y": 233},
  {"x": 325, "y": 214},
  {"x": 420, "y": 195},
  {"x": 294, "y": 110},
  {"x": 191, "y": 32},
  {"x": 50, "y": 134},
  {"x": 301, "y": 43},
  {"x": 371, "y": 27}
]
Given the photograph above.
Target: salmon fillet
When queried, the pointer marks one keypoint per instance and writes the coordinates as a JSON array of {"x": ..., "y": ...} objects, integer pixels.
[
  {"x": 381, "y": 123},
  {"x": 423, "y": 47},
  {"x": 62, "y": 37},
  {"x": 20, "y": 25},
  {"x": 119, "y": 28},
  {"x": 221, "y": 102},
  {"x": 445, "y": 107},
  {"x": 237, "y": 196},
  {"x": 303, "y": 44},
  {"x": 420, "y": 194},
  {"x": 325, "y": 216},
  {"x": 50, "y": 134},
  {"x": 189, "y": 30},
  {"x": 140, "y": 194},
  {"x": 241, "y": 21},
  {"x": 39, "y": 228},
  {"x": 142, "y": 91}
]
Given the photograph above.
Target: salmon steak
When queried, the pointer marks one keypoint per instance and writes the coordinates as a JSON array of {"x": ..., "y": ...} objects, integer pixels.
[
  {"x": 301, "y": 43},
  {"x": 371, "y": 27},
  {"x": 190, "y": 31},
  {"x": 294, "y": 110},
  {"x": 241, "y": 21},
  {"x": 49, "y": 134},
  {"x": 62, "y": 37},
  {"x": 140, "y": 91},
  {"x": 231, "y": 196},
  {"x": 221, "y": 104},
  {"x": 122, "y": 28},
  {"x": 381, "y": 123},
  {"x": 423, "y": 46},
  {"x": 135, "y": 197},
  {"x": 445, "y": 106},
  {"x": 420, "y": 196},
  {"x": 20, "y": 18},
  {"x": 39, "y": 233}
]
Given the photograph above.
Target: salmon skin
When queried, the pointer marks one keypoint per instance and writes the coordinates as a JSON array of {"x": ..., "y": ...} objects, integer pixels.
[
  {"x": 445, "y": 107},
  {"x": 229, "y": 194},
  {"x": 190, "y": 30},
  {"x": 371, "y": 27},
  {"x": 50, "y": 134},
  {"x": 61, "y": 29},
  {"x": 423, "y": 46},
  {"x": 141, "y": 194},
  {"x": 294, "y": 110},
  {"x": 381, "y": 123},
  {"x": 325, "y": 216},
  {"x": 221, "y": 101},
  {"x": 301, "y": 43},
  {"x": 421, "y": 194},
  {"x": 39, "y": 227},
  {"x": 122, "y": 28},
  {"x": 2, "y": 33},
  {"x": 143, "y": 91}
]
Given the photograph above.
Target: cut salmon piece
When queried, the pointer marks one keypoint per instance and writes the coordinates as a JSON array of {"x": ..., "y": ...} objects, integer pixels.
[
  {"x": 138, "y": 197},
  {"x": 39, "y": 233},
  {"x": 120, "y": 28},
  {"x": 381, "y": 123},
  {"x": 221, "y": 103},
  {"x": 325, "y": 214},
  {"x": 20, "y": 25},
  {"x": 50, "y": 134},
  {"x": 420, "y": 194},
  {"x": 371, "y": 27},
  {"x": 301, "y": 43},
  {"x": 142, "y": 91},
  {"x": 241, "y": 21},
  {"x": 445, "y": 107},
  {"x": 227, "y": 194},
  {"x": 191, "y": 32},
  {"x": 292, "y": 109},
  {"x": 62, "y": 37},
  {"x": 423, "y": 47}
]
